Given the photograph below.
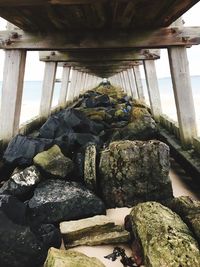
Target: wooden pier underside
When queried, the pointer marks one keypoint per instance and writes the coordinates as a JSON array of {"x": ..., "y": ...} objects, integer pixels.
[
  {"x": 70, "y": 15},
  {"x": 103, "y": 30}
]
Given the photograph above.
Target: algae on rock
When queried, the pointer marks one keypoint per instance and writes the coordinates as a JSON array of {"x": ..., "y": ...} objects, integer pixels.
[
  {"x": 54, "y": 163},
  {"x": 97, "y": 230},
  {"x": 134, "y": 171},
  {"x": 63, "y": 258},
  {"x": 90, "y": 167},
  {"x": 164, "y": 238},
  {"x": 189, "y": 211}
]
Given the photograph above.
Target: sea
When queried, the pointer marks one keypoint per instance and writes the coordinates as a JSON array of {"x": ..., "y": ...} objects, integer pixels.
[{"x": 33, "y": 89}]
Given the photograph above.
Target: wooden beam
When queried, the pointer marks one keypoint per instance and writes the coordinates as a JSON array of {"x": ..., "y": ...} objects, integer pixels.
[
  {"x": 183, "y": 94},
  {"x": 47, "y": 89},
  {"x": 64, "y": 86},
  {"x": 103, "y": 56},
  {"x": 160, "y": 38},
  {"x": 12, "y": 90},
  {"x": 153, "y": 89}
]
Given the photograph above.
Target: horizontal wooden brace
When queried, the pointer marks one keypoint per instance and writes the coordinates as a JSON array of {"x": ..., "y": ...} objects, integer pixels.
[
  {"x": 99, "y": 55},
  {"x": 161, "y": 38}
]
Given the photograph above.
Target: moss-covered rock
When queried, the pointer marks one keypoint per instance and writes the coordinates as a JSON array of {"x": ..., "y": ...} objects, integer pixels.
[
  {"x": 93, "y": 231},
  {"x": 189, "y": 211},
  {"x": 138, "y": 113},
  {"x": 52, "y": 162},
  {"x": 90, "y": 167},
  {"x": 63, "y": 258},
  {"x": 133, "y": 172},
  {"x": 164, "y": 238}
]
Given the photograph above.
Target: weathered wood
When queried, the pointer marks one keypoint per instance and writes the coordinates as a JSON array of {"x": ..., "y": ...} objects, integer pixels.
[
  {"x": 72, "y": 85},
  {"x": 12, "y": 90},
  {"x": 47, "y": 89},
  {"x": 132, "y": 83},
  {"x": 160, "y": 38},
  {"x": 64, "y": 86},
  {"x": 179, "y": 67},
  {"x": 103, "y": 56},
  {"x": 153, "y": 89},
  {"x": 42, "y": 15},
  {"x": 138, "y": 81}
]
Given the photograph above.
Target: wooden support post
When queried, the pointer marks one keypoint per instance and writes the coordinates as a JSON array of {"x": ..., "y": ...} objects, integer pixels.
[
  {"x": 12, "y": 90},
  {"x": 183, "y": 94},
  {"x": 72, "y": 83},
  {"x": 138, "y": 82},
  {"x": 153, "y": 89},
  {"x": 47, "y": 89},
  {"x": 131, "y": 78},
  {"x": 78, "y": 85},
  {"x": 128, "y": 85},
  {"x": 64, "y": 86}
]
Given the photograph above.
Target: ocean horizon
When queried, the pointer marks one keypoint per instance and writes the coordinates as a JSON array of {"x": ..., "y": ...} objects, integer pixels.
[{"x": 33, "y": 89}]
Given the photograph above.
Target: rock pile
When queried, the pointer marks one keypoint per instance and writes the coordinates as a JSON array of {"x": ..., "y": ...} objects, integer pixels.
[{"x": 83, "y": 160}]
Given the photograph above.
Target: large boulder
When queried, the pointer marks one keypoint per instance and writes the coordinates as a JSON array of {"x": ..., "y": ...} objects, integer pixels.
[
  {"x": 58, "y": 200},
  {"x": 22, "y": 149},
  {"x": 21, "y": 184},
  {"x": 63, "y": 258},
  {"x": 19, "y": 245},
  {"x": 189, "y": 210},
  {"x": 54, "y": 164},
  {"x": 134, "y": 171},
  {"x": 164, "y": 239}
]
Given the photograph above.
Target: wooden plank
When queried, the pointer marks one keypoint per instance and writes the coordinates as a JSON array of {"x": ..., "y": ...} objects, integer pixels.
[
  {"x": 98, "y": 55},
  {"x": 138, "y": 81},
  {"x": 183, "y": 94},
  {"x": 47, "y": 89},
  {"x": 160, "y": 38},
  {"x": 153, "y": 89},
  {"x": 31, "y": 3},
  {"x": 64, "y": 86},
  {"x": 12, "y": 90}
]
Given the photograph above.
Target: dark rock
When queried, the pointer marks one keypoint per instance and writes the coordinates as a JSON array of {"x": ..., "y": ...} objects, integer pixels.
[
  {"x": 22, "y": 184},
  {"x": 19, "y": 246},
  {"x": 134, "y": 171},
  {"x": 73, "y": 142},
  {"x": 57, "y": 200},
  {"x": 62, "y": 123},
  {"x": 54, "y": 164},
  {"x": 162, "y": 236},
  {"x": 98, "y": 101},
  {"x": 22, "y": 149},
  {"x": 189, "y": 210},
  {"x": 79, "y": 165}
]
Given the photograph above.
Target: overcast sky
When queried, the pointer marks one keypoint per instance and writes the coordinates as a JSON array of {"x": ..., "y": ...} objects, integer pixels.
[{"x": 35, "y": 69}]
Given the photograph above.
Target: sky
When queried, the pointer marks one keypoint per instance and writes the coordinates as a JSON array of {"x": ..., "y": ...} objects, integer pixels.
[{"x": 35, "y": 68}]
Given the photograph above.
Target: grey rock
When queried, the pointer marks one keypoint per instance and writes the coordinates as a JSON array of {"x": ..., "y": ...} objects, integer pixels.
[
  {"x": 58, "y": 200},
  {"x": 22, "y": 184},
  {"x": 163, "y": 237},
  {"x": 134, "y": 171}
]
